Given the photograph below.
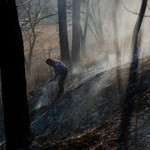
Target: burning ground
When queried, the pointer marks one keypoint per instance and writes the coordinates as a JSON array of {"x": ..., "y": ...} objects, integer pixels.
[{"x": 88, "y": 116}]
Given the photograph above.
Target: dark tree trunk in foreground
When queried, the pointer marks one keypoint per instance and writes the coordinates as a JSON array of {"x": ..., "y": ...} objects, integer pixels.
[
  {"x": 76, "y": 31},
  {"x": 134, "y": 64},
  {"x": 132, "y": 89},
  {"x": 63, "y": 35},
  {"x": 16, "y": 113}
]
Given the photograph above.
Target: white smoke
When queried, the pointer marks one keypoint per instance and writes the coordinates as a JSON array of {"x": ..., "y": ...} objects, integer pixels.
[
  {"x": 43, "y": 99},
  {"x": 47, "y": 93}
]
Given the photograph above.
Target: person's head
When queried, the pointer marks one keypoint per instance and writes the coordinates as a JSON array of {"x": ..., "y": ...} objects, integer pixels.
[{"x": 49, "y": 62}]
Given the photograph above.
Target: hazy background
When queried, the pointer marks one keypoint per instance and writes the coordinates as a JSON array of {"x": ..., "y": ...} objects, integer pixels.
[
  {"x": 39, "y": 24},
  {"x": 47, "y": 36}
]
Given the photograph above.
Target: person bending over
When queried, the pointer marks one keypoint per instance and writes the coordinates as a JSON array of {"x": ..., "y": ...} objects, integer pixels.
[{"x": 60, "y": 69}]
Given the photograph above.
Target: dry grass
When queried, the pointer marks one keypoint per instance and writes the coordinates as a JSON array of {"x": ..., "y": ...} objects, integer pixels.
[
  {"x": 105, "y": 136},
  {"x": 46, "y": 45}
]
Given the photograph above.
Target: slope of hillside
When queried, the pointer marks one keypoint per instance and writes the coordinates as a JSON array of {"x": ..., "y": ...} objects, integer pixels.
[
  {"x": 88, "y": 116},
  {"x": 95, "y": 103}
]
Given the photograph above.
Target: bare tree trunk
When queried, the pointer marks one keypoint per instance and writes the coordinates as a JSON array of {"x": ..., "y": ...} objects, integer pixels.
[
  {"x": 32, "y": 13},
  {"x": 134, "y": 65},
  {"x": 132, "y": 89},
  {"x": 63, "y": 34},
  {"x": 76, "y": 31},
  {"x": 32, "y": 44},
  {"x": 138, "y": 25},
  {"x": 99, "y": 20},
  {"x": 85, "y": 29},
  {"x": 95, "y": 24},
  {"x": 16, "y": 112}
]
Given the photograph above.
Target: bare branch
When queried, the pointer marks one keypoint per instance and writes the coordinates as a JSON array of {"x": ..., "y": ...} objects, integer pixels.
[
  {"x": 23, "y": 3},
  {"x": 91, "y": 30},
  {"x": 104, "y": 16},
  {"x": 45, "y": 17},
  {"x": 93, "y": 33},
  {"x": 133, "y": 12}
]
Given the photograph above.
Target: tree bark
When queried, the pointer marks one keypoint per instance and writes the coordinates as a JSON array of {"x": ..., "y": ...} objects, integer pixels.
[
  {"x": 63, "y": 35},
  {"x": 138, "y": 25},
  {"x": 16, "y": 112},
  {"x": 100, "y": 23},
  {"x": 76, "y": 31},
  {"x": 85, "y": 29},
  {"x": 134, "y": 64},
  {"x": 132, "y": 88}
]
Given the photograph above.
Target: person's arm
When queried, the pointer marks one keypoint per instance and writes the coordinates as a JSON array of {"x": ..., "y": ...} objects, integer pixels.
[
  {"x": 56, "y": 73},
  {"x": 54, "y": 77}
]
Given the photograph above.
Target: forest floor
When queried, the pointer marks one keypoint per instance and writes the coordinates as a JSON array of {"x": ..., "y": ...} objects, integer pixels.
[{"x": 89, "y": 116}]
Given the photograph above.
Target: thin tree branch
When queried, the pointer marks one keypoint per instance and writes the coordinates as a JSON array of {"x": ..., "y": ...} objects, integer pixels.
[
  {"x": 23, "y": 3},
  {"x": 91, "y": 30},
  {"x": 45, "y": 17},
  {"x": 133, "y": 12},
  {"x": 104, "y": 16}
]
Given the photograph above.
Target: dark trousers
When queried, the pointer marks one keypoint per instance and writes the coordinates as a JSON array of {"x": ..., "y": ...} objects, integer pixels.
[{"x": 61, "y": 81}]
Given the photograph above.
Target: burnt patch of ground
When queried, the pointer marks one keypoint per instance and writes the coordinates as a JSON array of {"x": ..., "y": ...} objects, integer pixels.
[
  {"x": 105, "y": 136},
  {"x": 106, "y": 133},
  {"x": 88, "y": 116}
]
